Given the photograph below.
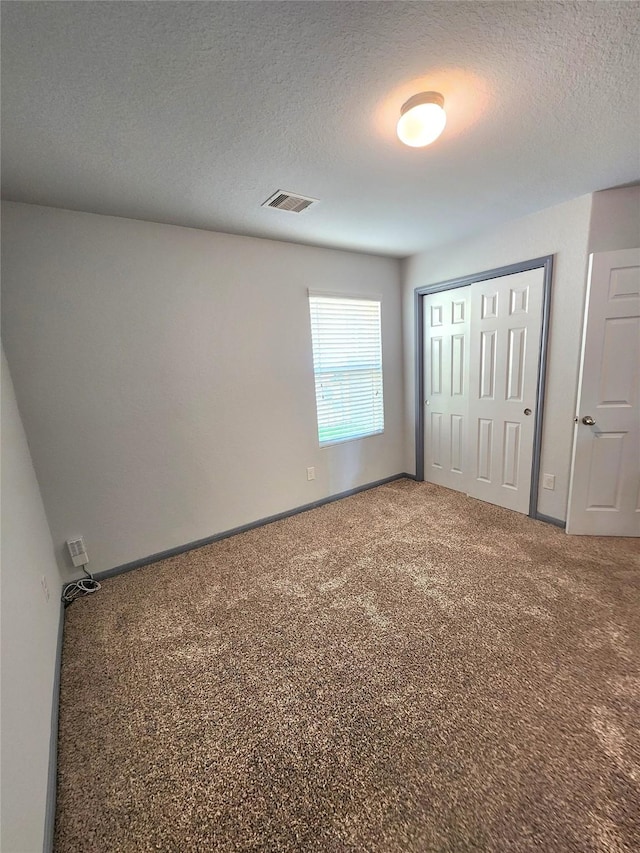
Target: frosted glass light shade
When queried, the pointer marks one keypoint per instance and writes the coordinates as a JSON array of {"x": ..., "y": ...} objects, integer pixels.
[{"x": 422, "y": 119}]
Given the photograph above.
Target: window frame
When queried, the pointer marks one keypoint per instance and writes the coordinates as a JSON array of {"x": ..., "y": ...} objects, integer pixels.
[{"x": 359, "y": 297}]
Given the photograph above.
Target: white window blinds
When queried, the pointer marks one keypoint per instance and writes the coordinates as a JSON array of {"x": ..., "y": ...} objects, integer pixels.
[{"x": 347, "y": 362}]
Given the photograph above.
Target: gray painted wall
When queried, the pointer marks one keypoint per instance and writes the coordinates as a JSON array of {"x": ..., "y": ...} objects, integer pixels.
[
  {"x": 165, "y": 376},
  {"x": 28, "y": 638},
  {"x": 615, "y": 220},
  {"x": 561, "y": 231}
]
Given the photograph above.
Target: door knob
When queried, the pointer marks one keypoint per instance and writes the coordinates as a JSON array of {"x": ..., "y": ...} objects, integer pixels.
[
  {"x": 588, "y": 420},
  {"x": 527, "y": 411}
]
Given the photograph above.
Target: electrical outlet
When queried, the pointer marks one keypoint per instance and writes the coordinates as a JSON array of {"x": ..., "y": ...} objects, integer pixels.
[
  {"x": 45, "y": 587},
  {"x": 549, "y": 481},
  {"x": 311, "y": 473}
]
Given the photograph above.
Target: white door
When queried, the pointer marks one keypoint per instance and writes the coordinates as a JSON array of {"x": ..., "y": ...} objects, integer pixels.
[
  {"x": 506, "y": 316},
  {"x": 604, "y": 498},
  {"x": 481, "y": 352},
  {"x": 446, "y": 383}
]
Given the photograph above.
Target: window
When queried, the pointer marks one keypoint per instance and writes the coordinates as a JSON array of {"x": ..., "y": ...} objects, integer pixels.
[{"x": 347, "y": 363}]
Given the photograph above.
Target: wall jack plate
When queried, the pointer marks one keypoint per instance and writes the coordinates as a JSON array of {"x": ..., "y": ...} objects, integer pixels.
[{"x": 77, "y": 551}]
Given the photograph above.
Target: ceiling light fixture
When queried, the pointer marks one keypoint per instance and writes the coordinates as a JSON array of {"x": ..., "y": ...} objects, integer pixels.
[{"x": 422, "y": 119}]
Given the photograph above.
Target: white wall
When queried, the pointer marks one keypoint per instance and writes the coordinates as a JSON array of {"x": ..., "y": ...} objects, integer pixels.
[
  {"x": 165, "y": 376},
  {"x": 562, "y": 231},
  {"x": 615, "y": 220},
  {"x": 29, "y": 634}
]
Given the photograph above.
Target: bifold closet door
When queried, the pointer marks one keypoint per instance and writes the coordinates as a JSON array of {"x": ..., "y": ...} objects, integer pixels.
[
  {"x": 446, "y": 384},
  {"x": 481, "y": 355},
  {"x": 505, "y": 328}
]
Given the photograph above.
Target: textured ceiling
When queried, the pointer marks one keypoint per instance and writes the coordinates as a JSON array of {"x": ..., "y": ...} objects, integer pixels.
[{"x": 194, "y": 113}]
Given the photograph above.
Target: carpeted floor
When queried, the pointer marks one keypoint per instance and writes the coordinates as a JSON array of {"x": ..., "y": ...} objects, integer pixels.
[{"x": 404, "y": 670}]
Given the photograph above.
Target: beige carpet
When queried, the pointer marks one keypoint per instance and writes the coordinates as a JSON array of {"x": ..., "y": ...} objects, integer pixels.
[{"x": 404, "y": 670}]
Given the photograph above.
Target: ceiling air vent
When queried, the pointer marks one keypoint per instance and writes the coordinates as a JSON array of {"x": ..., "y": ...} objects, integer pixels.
[{"x": 290, "y": 202}]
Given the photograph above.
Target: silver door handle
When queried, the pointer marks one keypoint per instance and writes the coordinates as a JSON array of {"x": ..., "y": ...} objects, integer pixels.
[{"x": 588, "y": 420}]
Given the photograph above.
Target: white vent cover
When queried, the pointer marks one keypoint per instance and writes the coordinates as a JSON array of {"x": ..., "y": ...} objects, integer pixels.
[{"x": 291, "y": 202}]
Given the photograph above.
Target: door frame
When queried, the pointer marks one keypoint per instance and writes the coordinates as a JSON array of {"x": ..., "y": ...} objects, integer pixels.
[{"x": 545, "y": 263}]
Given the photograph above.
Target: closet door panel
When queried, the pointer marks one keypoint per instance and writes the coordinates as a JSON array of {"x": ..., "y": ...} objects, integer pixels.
[{"x": 446, "y": 374}]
